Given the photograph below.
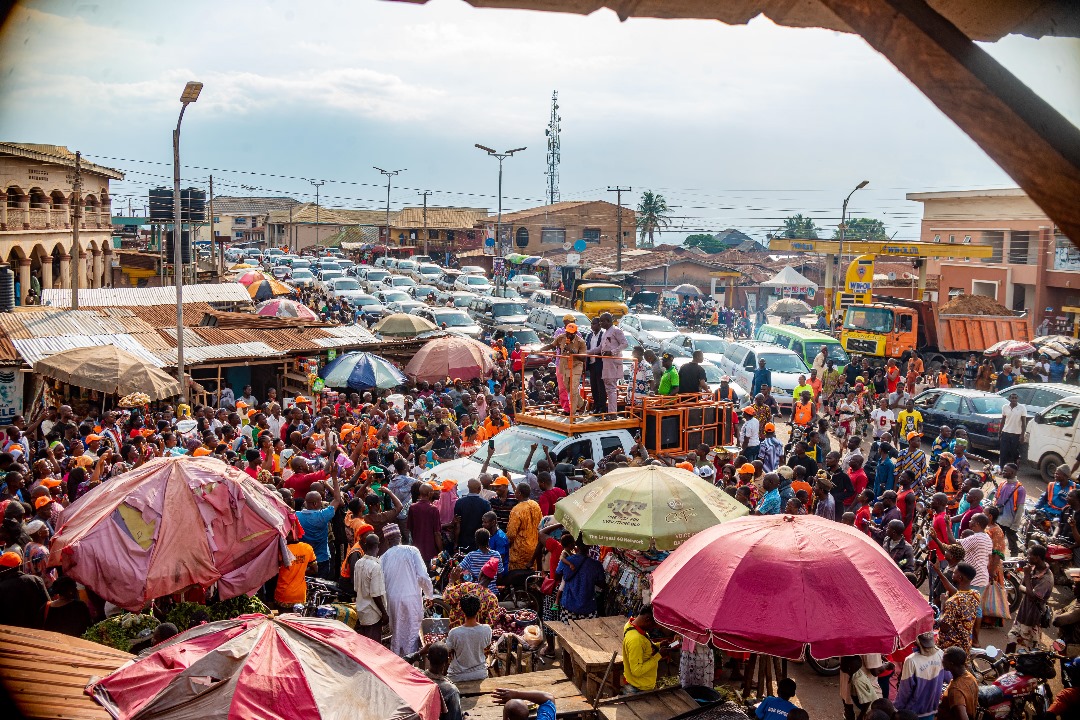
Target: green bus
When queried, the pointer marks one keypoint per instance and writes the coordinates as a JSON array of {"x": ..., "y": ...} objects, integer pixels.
[{"x": 806, "y": 343}]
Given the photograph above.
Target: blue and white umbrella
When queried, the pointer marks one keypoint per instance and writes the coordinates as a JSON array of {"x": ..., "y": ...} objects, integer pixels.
[{"x": 361, "y": 371}]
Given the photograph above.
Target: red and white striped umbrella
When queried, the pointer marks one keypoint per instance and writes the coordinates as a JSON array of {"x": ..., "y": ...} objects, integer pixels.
[{"x": 278, "y": 668}]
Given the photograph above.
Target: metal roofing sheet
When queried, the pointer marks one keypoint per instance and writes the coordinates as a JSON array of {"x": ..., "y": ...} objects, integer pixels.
[
  {"x": 195, "y": 355},
  {"x": 47, "y": 323},
  {"x": 229, "y": 292},
  {"x": 34, "y": 349},
  {"x": 357, "y": 332}
]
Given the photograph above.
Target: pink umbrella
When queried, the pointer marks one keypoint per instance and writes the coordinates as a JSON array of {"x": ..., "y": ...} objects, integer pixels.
[
  {"x": 452, "y": 356},
  {"x": 171, "y": 524},
  {"x": 269, "y": 668},
  {"x": 250, "y": 276},
  {"x": 285, "y": 308},
  {"x": 776, "y": 584}
]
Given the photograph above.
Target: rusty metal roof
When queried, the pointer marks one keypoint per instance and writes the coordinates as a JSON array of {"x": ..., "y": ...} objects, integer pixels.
[
  {"x": 229, "y": 292},
  {"x": 34, "y": 349},
  {"x": 207, "y": 353}
]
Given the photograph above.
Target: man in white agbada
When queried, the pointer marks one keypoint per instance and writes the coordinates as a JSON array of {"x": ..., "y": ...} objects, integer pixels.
[{"x": 407, "y": 585}]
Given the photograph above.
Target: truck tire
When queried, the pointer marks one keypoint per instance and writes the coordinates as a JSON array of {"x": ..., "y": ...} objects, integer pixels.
[
  {"x": 933, "y": 362},
  {"x": 1048, "y": 463}
]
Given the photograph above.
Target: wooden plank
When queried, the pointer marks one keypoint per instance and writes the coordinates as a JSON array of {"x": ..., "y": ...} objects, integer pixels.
[
  {"x": 657, "y": 706},
  {"x": 523, "y": 681},
  {"x": 1030, "y": 140}
]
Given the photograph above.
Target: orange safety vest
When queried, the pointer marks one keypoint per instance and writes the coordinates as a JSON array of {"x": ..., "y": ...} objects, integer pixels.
[
  {"x": 803, "y": 414},
  {"x": 1051, "y": 490}
]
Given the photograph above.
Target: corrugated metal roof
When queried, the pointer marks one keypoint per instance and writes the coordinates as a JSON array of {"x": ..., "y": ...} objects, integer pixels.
[
  {"x": 452, "y": 218},
  {"x": 50, "y": 323},
  {"x": 191, "y": 337},
  {"x": 357, "y": 332},
  {"x": 34, "y": 349},
  {"x": 195, "y": 355},
  {"x": 123, "y": 297}
]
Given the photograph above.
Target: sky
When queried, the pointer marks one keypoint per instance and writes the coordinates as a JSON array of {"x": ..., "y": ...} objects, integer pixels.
[{"x": 737, "y": 127}]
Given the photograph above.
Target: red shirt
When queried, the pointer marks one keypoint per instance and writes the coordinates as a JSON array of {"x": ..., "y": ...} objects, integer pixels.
[
  {"x": 863, "y": 519},
  {"x": 300, "y": 483},
  {"x": 903, "y": 500},
  {"x": 548, "y": 498},
  {"x": 859, "y": 481},
  {"x": 252, "y": 471},
  {"x": 941, "y": 527}
]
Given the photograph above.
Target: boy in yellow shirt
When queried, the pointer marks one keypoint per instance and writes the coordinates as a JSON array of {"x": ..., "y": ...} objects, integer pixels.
[{"x": 641, "y": 656}]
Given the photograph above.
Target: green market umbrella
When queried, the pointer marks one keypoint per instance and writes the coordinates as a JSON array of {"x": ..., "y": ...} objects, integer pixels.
[{"x": 638, "y": 507}]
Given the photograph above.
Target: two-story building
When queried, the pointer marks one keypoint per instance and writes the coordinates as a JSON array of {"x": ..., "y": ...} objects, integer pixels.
[
  {"x": 245, "y": 219},
  {"x": 550, "y": 227},
  {"x": 437, "y": 230},
  {"x": 36, "y": 216},
  {"x": 303, "y": 226},
  {"x": 1033, "y": 266}
]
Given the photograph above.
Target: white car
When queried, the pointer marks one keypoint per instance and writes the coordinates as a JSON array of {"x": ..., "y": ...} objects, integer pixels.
[
  {"x": 373, "y": 279},
  {"x": 473, "y": 283},
  {"x": 345, "y": 288},
  {"x": 686, "y": 344},
  {"x": 525, "y": 283},
  {"x": 427, "y": 273},
  {"x": 741, "y": 359},
  {"x": 406, "y": 267},
  {"x": 404, "y": 306},
  {"x": 421, "y": 292},
  {"x": 1053, "y": 435},
  {"x": 302, "y": 277},
  {"x": 368, "y": 305},
  {"x": 651, "y": 330},
  {"x": 451, "y": 319},
  {"x": 389, "y": 295},
  {"x": 1038, "y": 395},
  {"x": 327, "y": 278},
  {"x": 473, "y": 270},
  {"x": 400, "y": 282}
]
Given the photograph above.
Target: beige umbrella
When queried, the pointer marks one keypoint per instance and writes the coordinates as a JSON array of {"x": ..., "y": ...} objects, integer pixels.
[
  {"x": 453, "y": 356},
  {"x": 404, "y": 325},
  {"x": 108, "y": 369}
]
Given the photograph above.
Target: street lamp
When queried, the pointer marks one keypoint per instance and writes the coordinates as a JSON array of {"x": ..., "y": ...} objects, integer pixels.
[
  {"x": 190, "y": 95},
  {"x": 840, "y": 248},
  {"x": 498, "y": 223},
  {"x": 317, "y": 185},
  {"x": 389, "y": 174}
]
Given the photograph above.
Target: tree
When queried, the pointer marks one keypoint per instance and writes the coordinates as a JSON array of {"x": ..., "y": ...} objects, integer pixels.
[
  {"x": 705, "y": 242},
  {"x": 798, "y": 226},
  {"x": 653, "y": 215},
  {"x": 864, "y": 229}
]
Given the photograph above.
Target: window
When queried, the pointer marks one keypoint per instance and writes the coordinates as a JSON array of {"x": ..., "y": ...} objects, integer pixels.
[
  {"x": 750, "y": 362},
  {"x": 522, "y": 237},
  {"x": 905, "y": 323},
  {"x": 1019, "y": 247},
  {"x": 984, "y": 288},
  {"x": 926, "y": 401},
  {"x": 996, "y": 241},
  {"x": 609, "y": 444},
  {"x": 574, "y": 452},
  {"x": 433, "y": 234},
  {"x": 948, "y": 403},
  {"x": 591, "y": 235},
  {"x": 239, "y": 221},
  {"x": 552, "y": 236},
  {"x": 1061, "y": 416}
]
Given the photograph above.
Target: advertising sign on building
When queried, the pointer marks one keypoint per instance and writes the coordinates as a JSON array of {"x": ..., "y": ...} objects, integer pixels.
[{"x": 10, "y": 397}]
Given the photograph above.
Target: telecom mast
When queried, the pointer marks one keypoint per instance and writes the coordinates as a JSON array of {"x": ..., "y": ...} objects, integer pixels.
[{"x": 554, "y": 150}]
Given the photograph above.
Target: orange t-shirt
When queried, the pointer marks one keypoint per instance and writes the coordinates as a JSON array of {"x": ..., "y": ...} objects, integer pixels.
[
  {"x": 291, "y": 586},
  {"x": 491, "y": 430},
  {"x": 798, "y": 485}
]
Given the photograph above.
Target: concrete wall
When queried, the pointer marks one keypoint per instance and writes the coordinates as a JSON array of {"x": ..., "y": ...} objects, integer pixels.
[{"x": 598, "y": 215}]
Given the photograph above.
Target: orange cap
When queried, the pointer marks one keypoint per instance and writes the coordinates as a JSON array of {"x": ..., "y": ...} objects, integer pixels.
[
  {"x": 42, "y": 502},
  {"x": 747, "y": 468},
  {"x": 10, "y": 560},
  {"x": 571, "y": 328},
  {"x": 201, "y": 451},
  {"x": 93, "y": 438},
  {"x": 686, "y": 466},
  {"x": 500, "y": 481},
  {"x": 769, "y": 427},
  {"x": 51, "y": 483},
  {"x": 447, "y": 485},
  {"x": 301, "y": 400}
]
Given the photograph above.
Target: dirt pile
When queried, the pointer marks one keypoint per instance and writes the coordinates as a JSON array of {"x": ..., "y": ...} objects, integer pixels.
[{"x": 974, "y": 305}]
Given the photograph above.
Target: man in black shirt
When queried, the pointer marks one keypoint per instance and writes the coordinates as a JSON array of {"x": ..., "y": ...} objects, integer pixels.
[
  {"x": 843, "y": 491},
  {"x": 799, "y": 457},
  {"x": 469, "y": 514},
  {"x": 692, "y": 375},
  {"x": 22, "y": 596}
]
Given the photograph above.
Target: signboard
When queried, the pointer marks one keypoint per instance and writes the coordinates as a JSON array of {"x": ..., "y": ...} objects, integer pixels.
[
  {"x": 1066, "y": 255},
  {"x": 566, "y": 246},
  {"x": 318, "y": 385},
  {"x": 10, "y": 397},
  {"x": 331, "y": 354},
  {"x": 579, "y": 246},
  {"x": 497, "y": 265},
  {"x": 572, "y": 258},
  {"x": 858, "y": 282}
]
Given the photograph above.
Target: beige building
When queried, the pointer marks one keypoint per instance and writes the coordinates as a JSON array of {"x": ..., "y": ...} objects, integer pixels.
[
  {"x": 36, "y": 216},
  {"x": 303, "y": 225},
  {"x": 538, "y": 230},
  {"x": 438, "y": 230},
  {"x": 1033, "y": 267},
  {"x": 245, "y": 219}
]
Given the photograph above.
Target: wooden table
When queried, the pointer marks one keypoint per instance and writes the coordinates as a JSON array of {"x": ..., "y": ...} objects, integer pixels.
[
  {"x": 656, "y": 705},
  {"x": 476, "y": 696},
  {"x": 586, "y": 647}
]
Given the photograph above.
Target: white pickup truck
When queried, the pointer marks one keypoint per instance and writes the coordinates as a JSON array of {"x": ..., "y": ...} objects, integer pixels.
[{"x": 512, "y": 448}]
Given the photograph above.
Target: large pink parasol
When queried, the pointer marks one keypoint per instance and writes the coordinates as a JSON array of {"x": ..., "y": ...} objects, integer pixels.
[
  {"x": 452, "y": 356},
  {"x": 269, "y": 668},
  {"x": 285, "y": 308},
  {"x": 171, "y": 524},
  {"x": 775, "y": 584},
  {"x": 250, "y": 276}
]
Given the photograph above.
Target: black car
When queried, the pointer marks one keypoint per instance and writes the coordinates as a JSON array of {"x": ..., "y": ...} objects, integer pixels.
[{"x": 979, "y": 413}]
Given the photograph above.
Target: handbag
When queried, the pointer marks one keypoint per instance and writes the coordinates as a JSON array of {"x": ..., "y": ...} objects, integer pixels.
[
  {"x": 995, "y": 601},
  {"x": 548, "y": 586}
]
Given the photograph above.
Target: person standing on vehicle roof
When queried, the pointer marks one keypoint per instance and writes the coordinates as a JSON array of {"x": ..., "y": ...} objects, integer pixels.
[
  {"x": 595, "y": 366},
  {"x": 611, "y": 346}
]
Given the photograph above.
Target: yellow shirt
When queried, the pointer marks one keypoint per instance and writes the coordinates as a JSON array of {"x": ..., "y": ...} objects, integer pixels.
[
  {"x": 640, "y": 659},
  {"x": 796, "y": 394},
  {"x": 523, "y": 530},
  {"x": 908, "y": 422}
]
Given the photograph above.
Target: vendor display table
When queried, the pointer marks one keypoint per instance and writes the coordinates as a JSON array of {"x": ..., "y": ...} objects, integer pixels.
[
  {"x": 477, "y": 701},
  {"x": 628, "y": 574},
  {"x": 656, "y": 705},
  {"x": 586, "y": 647}
]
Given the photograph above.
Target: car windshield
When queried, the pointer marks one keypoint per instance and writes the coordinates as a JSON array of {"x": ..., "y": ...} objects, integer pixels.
[
  {"x": 657, "y": 324},
  {"x": 525, "y": 337},
  {"x": 300, "y": 264},
  {"x": 507, "y": 309},
  {"x": 512, "y": 449},
  {"x": 329, "y": 275},
  {"x": 877, "y": 320},
  {"x": 395, "y": 296},
  {"x": 712, "y": 373},
  {"x": 462, "y": 300},
  {"x": 302, "y": 274},
  {"x": 431, "y": 270},
  {"x": 330, "y": 266},
  {"x": 453, "y": 319},
  {"x": 990, "y": 405},
  {"x": 346, "y": 285},
  {"x": 364, "y": 300},
  {"x": 784, "y": 363},
  {"x": 709, "y": 346},
  {"x": 376, "y": 274},
  {"x": 604, "y": 294},
  {"x": 528, "y": 279},
  {"x": 403, "y": 281},
  {"x": 477, "y": 280},
  {"x": 423, "y": 291},
  {"x": 406, "y": 265},
  {"x": 836, "y": 351}
]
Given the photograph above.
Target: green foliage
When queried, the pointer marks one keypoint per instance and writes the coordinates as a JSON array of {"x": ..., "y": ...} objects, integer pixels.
[
  {"x": 707, "y": 243},
  {"x": 864, "y": 229},
  {"x": 119, "y": 630},
  {"x": 799, "y": 226},
  {"x": 653, "y": 215}
]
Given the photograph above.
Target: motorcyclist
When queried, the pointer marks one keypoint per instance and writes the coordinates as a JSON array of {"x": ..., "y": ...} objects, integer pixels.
[
  {"x": 1056, "y": 497},
  {"x": 1067, "y": 620}
]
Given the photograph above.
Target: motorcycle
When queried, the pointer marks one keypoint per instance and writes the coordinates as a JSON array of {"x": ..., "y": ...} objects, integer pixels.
[
  {"x": 1022, "y": 692},
  {"x": 1012, "y": 568}
]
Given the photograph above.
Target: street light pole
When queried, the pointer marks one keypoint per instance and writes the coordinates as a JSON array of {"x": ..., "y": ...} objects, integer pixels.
[
  {"x": 190, "y": 95},
  {"x": 389, "y": 175},
  {"x": 498, "y": 222},
  {"x": 317, "y": 185},
  {"x": 840, "y": 249}
]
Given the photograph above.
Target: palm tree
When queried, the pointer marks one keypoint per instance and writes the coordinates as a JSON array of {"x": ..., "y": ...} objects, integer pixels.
[
  {"x": 798, "y": 226},
  {"x": 653, "y": 215}
]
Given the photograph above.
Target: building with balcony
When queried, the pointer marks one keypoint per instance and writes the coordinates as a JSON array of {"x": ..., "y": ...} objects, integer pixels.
[
  {"x": 303, "y": 226},
  {"x": 1033, "y": 267},
  {"x": 36, "y": 216},
  {"x": 538, "y": 230},
  {"x": 245, "y": 219},
  {"x": 437, "y": 230}
]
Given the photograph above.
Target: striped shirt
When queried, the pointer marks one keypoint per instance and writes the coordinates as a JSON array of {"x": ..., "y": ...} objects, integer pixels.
[
  {"x": 474, "y": 562},
  {"x": 914, "y": 460}
]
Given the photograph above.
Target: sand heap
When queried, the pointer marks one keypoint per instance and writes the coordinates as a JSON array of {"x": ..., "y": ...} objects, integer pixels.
[{"x": 974, "y": 305}]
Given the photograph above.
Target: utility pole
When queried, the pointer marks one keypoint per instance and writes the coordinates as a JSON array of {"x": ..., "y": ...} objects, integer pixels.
[
  {"x": 217, "y": 250},
  {"x": 499, "y": 251},
  {"x": 618, "y": 190},
  {"x": 77, "y": 211},
  {"x": 317, "y": 185},
  {"x": 389, "y": 175},
  {"x": 425, "y": 194}
]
